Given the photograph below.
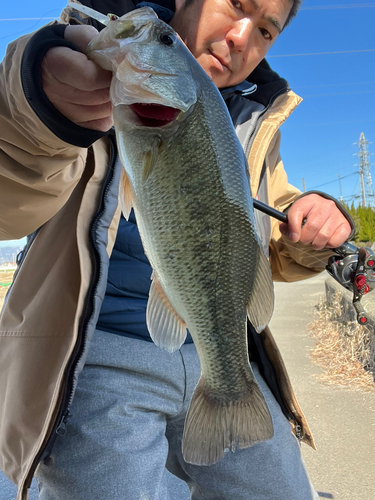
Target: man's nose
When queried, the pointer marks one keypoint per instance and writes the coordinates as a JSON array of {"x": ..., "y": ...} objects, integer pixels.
[{"x": 239, "y": 35}]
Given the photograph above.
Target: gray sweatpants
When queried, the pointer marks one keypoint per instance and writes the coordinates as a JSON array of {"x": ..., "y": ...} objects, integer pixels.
[{"x": 126, "y": 430}]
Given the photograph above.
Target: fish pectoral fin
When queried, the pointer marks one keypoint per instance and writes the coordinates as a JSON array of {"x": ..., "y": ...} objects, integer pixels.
[
  {"x": 214, "y": 425},
  {"x": 165, "y": 326},
  {"x": 125, "y": 194},
  {"x": 151, "y": 157},
  {"x": 261, "y": 304}
]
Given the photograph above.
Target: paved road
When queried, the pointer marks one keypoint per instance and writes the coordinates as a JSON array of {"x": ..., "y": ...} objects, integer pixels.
[{"x": 342, "y": 420}]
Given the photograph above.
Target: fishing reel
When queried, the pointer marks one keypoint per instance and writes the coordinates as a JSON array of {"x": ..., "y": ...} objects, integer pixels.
[{"x": 354, "y": 269}]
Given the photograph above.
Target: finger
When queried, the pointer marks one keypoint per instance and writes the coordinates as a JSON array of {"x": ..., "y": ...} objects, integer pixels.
[
  {"x": 74, "y": 69},
  {"x": 60, "y": 93},
  {"x": 331, "y": 233},
  {"x": 296, "y": 220},
  {"x": 324, "y": 234},
  {"x": 341, "y": 235},
  {"x": 79, "y": 35},
  {"x": 283, "y": 226},
  {"x": 81, "y": 114},
  {"x": 313, "y": 225},
  {"x": 102, "y": 125}
]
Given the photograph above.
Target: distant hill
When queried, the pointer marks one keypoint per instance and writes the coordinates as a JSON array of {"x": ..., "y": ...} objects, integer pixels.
[
  {"x": 13, "y": 243},
  {"x": 9, "y": 253}
]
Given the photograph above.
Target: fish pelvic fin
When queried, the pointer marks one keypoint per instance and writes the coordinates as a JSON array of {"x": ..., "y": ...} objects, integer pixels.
[
  {"x": 261, "y": 304},
  {"x": 165, "y": 326},
  {"x": 213, "y": 427},
  {"x": 125, "y": 194}
]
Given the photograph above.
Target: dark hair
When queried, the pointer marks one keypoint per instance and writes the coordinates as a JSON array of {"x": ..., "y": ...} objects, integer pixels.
[{"x": 296, "y": 4}]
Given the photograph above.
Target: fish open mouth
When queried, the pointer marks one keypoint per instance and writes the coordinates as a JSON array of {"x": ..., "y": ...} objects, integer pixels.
[{"x": 154, "y": 115}]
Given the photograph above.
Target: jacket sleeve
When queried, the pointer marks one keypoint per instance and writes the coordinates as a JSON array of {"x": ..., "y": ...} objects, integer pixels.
[
  {"x": 39, "y": 166},
  {"x": 289, "y": 261}
]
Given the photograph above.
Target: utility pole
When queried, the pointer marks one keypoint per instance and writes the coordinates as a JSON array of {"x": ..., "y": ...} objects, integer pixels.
[
  {"x": 341, "y": 198},
  {"x": 366, "y": 190}
]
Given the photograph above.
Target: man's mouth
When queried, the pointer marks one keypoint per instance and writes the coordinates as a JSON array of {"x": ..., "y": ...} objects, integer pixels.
[
  {"x": 154, "y": 115},
  {"x": 220, "y": 62}
]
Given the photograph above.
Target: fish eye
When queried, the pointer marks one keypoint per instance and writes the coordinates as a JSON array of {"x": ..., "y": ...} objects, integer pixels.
[{"x": 167, "y": 38}]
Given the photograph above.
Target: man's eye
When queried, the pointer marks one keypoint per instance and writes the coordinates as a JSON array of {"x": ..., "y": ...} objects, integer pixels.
[
  {"x": 266, "y": 34},
  {"x": 237, "y": 4}
]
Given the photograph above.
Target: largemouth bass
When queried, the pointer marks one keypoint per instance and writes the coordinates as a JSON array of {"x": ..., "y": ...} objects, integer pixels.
[{"x": 187, "y": 178}]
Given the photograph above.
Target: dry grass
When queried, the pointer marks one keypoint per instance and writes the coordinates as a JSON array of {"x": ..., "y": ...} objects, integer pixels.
[
  {"x": 5, "y": 278},
  {"x": 343, "y": 349}
]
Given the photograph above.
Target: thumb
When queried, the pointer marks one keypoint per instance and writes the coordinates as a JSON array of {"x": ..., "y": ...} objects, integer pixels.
[{"x": 296, "y": 221}]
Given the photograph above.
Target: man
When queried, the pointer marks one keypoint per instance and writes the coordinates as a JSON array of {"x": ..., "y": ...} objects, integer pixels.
[{"x": 88, "y": 403}]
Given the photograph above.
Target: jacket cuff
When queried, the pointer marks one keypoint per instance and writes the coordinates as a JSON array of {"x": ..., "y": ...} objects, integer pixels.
[
  {"x": 31, "y": 77},
  {"x": 338, "y": 205}
]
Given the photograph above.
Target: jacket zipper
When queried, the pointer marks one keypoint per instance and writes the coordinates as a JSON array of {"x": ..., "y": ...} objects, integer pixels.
[
  {"x": 298, "y": 430},
  {"x": 59, "y": 427}
]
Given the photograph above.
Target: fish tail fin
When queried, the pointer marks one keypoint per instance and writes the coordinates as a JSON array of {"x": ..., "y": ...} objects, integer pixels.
[{"x": 213, "y": 425}]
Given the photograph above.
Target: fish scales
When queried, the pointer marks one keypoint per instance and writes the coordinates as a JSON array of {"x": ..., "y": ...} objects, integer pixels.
[
  {"x": 206, "y": 236},
  {"x": 188, "y": 183}
]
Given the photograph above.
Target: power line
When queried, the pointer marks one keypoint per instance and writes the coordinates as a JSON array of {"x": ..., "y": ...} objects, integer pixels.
[
  {"x": 347, "y": 6},
  {"x": 340, "y": 93},
  {"x": 29, "y": 28},
  {"x": 323, "y": 53},
  {"x": 29, "y": 19},
  {"x": 333, "y": 85},
  {"x": 335, "y": 180},
  {"x": 323, "y": 124},
  {"x": 316, "y": 7}
]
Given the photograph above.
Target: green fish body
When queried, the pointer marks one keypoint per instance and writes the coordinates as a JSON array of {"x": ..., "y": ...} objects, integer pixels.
[{"x": 187, "y": 178}]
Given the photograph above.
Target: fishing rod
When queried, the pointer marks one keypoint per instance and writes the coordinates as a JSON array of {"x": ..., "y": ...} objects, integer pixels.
[{"x": 351, "y": 266}]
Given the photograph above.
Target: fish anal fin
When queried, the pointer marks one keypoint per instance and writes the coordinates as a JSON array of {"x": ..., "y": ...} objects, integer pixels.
[
  {"x": 165, "y": 326},
  {"x": 212, "y": 427},
  {"x": 261, "y": 304},
  {"x": 125, "y": 194}
]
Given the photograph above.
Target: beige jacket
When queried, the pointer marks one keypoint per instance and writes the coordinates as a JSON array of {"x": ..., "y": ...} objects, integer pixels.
[{"x": 48, "y": 184}]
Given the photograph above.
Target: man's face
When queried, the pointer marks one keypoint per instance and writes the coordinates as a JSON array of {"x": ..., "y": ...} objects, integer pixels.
[{"x": 229, "y": 38}]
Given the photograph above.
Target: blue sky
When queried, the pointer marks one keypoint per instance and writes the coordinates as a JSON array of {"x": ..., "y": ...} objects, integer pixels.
[{"x": 337, "y": 84}]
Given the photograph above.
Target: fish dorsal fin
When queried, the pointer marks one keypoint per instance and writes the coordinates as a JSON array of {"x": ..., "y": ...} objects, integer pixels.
[
  {"x": 125, "y": 193},
  {"x": 260, "y": 307},
  {"x": 166, "y": 328}
]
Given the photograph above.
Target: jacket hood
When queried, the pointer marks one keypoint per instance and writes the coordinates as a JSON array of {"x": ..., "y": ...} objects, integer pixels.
[{"x": 269, "y": 84}]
